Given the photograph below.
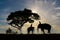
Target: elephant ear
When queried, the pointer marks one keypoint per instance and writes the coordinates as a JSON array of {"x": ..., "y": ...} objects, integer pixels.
[{"x": 31, "y": 21}]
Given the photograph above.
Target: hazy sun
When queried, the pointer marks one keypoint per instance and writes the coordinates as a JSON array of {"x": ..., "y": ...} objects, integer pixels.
[{"x": 34, "y": 11}]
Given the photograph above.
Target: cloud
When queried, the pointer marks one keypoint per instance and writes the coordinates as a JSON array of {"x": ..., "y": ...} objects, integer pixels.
[
  {"x": 57, "y": 8},
  {"x": 54, "y": 2},
  {"x": 57, "y": 3},
  {"x": 58, "y": 14}
]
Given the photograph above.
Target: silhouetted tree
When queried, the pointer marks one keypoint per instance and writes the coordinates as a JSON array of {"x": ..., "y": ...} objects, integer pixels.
[
  {"x": 19, "y": 18},
  {"x": 30, "y": 29},
  {"x": 44, "y": 26}
]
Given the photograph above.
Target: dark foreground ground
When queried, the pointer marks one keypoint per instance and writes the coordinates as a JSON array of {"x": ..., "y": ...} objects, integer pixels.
[{"x": 30, "y": 36}]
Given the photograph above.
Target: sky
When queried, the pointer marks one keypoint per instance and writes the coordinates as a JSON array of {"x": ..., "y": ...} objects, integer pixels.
[{"x": 49, "y": 11}]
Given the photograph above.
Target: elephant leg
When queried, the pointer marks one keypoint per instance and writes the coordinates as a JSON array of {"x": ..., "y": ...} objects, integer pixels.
[
  {"x": 48, "y": 31},
  {"x": 37, "y": 30},
  {"x": 43, "y": 31},
  {"x": 32, "y": 31},
  {"x": 28, "y": 32}
]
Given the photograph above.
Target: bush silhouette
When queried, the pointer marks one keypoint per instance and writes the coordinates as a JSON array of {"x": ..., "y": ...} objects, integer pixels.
[{"x": 9, "y": 31}]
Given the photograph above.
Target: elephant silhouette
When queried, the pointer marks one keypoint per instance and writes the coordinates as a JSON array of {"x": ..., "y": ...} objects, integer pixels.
[
  {"x": 30, "y": 29},
  {"x": 43, "y": 27}
]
